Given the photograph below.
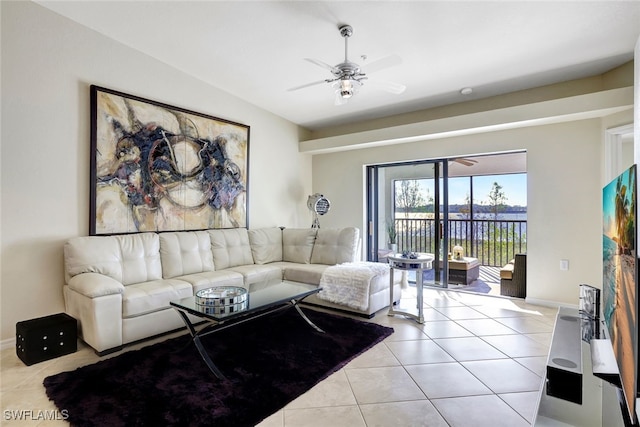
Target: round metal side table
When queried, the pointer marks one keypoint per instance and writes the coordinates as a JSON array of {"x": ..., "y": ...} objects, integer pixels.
[{"x": 398, "y": 262}]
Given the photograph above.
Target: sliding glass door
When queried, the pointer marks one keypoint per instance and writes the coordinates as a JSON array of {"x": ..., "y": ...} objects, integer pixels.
[
  {"x": 469, "y": 212},
  {"x": 408, "y": 212}
]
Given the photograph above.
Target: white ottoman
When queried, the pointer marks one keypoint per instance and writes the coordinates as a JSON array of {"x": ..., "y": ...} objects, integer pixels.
[{"x": 358, "y": 287}]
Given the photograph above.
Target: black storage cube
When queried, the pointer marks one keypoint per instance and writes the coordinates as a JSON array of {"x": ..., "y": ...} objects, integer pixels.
[{"x": 46, "y": 338}]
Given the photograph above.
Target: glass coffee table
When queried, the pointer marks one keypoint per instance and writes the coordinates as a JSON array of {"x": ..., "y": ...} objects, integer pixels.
[{"x": 230, "y": 306}]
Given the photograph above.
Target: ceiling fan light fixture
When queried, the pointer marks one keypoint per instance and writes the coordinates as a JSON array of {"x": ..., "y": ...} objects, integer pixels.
[{"x": 346, "y": 89}]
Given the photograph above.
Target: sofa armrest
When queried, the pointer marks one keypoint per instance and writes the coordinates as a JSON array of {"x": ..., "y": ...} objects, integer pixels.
[{"x": 93, "y": 285}]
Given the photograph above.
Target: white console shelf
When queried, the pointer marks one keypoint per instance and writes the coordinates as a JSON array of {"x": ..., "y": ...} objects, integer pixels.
[{"x": 571, "y": 394}]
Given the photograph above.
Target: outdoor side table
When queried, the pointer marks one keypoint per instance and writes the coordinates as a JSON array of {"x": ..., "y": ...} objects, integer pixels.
[{"x": 398, "y": 262}]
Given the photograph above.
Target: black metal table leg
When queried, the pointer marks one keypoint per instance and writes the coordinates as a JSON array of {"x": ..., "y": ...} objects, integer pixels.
[
  {"x": 304, "y": 316},
  {"x": 221, "y": 325},
  {"x": 203, "y": 353}
]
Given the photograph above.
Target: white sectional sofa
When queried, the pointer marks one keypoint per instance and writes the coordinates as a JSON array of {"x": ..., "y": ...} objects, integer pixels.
[{"x": 119, "y": 287}]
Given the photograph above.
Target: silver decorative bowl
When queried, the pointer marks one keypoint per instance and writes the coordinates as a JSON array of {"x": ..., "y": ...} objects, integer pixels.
[
  {"x": 223, "y": 309},
  {"x": 222, "y": 296}
]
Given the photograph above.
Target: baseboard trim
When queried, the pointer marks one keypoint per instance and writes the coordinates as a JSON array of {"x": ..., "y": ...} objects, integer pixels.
[
  {"x": 547, "y": 303},
  {"x": 8, "y": 343}
]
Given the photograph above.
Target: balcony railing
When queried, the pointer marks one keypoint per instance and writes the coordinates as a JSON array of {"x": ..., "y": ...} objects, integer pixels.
[{"x": 493, "y": 242}]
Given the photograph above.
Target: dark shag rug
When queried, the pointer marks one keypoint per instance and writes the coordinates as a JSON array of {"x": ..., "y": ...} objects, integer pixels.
[{"x": 267, "y": 363}]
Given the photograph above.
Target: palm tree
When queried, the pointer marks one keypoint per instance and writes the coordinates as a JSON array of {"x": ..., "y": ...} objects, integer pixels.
[{"x": 621, "y": 214}]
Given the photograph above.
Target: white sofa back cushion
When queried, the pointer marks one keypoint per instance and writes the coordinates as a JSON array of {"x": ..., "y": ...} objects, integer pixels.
[
  {"x": 230, "y": 247},
  {"x": 131, "y": 258},
  {"x": 335, "y": 246},
  {"x": 266, "y": 245},
  {"x": 297, "y": 244},
  {"x": 140, "y": 257},
  {"x": 185, "y": 252}
]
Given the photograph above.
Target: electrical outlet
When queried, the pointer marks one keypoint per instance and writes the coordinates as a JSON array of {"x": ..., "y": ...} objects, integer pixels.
[{"x": 564, "y": 264}]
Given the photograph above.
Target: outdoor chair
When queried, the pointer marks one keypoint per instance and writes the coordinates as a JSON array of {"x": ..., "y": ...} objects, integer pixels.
[{"x": 513, "y": 277}]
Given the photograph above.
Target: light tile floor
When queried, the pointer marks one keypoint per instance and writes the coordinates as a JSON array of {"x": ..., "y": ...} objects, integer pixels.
[{"x": 476, "y": 361}]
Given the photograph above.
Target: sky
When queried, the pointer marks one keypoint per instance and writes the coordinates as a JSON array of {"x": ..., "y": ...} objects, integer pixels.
[{"x": 514, "y": 187}]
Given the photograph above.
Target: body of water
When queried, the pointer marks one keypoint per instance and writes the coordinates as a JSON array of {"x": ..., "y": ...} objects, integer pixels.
[{"x": 487, "y": 216}]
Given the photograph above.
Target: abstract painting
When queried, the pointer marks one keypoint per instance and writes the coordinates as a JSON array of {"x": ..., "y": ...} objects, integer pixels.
[{"x": 155, "y": 167}]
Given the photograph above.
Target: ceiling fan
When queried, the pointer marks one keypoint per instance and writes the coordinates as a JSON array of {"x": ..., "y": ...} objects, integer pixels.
[{"x": 348, "y": 77}]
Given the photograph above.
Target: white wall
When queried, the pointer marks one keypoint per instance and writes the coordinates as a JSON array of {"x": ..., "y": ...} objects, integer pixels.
[
  {"x": 48, "y": 63},
  {"x": 564, "y": 195}
]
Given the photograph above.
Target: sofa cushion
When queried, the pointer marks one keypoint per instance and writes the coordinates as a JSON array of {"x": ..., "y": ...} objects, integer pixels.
[
  {"x": 259, "y": 273},
  {"x": 335, "y": 246},
  {"x": 506, "y": 272},
  {"x": 305, "y": 273},
  {"x": 140, "y": 257},
  {"x": 146, "y": 297},
  {"x": 209, "y": 279},
  {"x": 266, "y": 245},
  {"x": 185, "y": 252},
  {"x": 297, "y": 244},
  {"x": 230, "y": 247}
]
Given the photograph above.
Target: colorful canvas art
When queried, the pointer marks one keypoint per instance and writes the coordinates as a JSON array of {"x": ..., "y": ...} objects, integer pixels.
[
  {"x": 159, "y": 168},
  {"x": 620, "y": 304}
]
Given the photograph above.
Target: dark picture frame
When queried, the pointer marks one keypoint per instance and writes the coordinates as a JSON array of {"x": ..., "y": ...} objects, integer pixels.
[{"x": 156, "y": 167}]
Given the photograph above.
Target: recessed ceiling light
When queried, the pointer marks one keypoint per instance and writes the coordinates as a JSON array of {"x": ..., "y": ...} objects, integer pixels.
[{"x": 466, "y": 91}]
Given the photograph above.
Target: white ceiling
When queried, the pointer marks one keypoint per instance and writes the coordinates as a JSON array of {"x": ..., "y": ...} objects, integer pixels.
[{"x": 255, "y": 50}]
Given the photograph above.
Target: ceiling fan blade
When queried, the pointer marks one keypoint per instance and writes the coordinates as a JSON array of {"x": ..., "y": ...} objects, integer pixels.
[
  {"x": 391, "y": 87},
  {"x": 466, "y": 162},
  {"x": 306, "y": 85},
  {"x": 323, "y": 65},
  {"x": 382, "y": 63}
]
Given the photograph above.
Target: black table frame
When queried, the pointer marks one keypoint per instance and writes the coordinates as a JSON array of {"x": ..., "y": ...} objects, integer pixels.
[{"x": 218, "y": 323}]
